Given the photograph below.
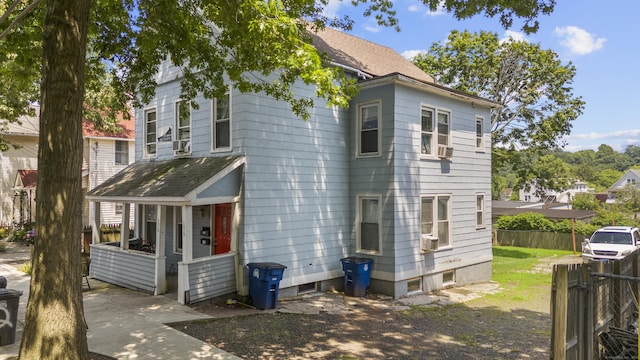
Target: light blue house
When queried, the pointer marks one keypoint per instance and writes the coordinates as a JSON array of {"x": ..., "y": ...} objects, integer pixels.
[{"x": 403, "y": 176}]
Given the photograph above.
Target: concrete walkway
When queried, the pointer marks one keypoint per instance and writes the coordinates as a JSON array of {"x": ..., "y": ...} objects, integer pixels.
[{"x": 122, "y": 324}]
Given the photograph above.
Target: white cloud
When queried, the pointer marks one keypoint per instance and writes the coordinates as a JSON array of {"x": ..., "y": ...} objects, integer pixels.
[
  {"x": 410, "y": 54},
  {"x": 618, "y": 140},
  {"x": 604, "y": 135},
  {"x": 372, "y": 29},
  {"x": 415, "y": 8},
  {"x": 441, "y": 10},
  {"x": 578, "y": 41},
  {"x": 332, "y": 8},
  {"x": 515, "y": 35}
]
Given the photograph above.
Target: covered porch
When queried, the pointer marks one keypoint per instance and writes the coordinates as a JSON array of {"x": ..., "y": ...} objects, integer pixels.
[{"x": 186, "y": 221}]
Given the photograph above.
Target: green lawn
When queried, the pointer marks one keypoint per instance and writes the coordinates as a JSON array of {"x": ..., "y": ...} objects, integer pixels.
[{"x": 514, "y": 268}]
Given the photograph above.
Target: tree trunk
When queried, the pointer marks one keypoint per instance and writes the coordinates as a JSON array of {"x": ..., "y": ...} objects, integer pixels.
[{"x": 54, "y": 325}]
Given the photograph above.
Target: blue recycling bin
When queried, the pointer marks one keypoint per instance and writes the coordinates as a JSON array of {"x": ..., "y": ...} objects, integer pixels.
[
  {"x": 264, "y": 282},
  {"x": 357, "y": 275}
]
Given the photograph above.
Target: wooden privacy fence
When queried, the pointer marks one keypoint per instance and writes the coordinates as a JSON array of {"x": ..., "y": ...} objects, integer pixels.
[
  {"x": 538, "y": 239},
  {"x": 594, "y": 310},
  {"x": 109, "y": 233}
]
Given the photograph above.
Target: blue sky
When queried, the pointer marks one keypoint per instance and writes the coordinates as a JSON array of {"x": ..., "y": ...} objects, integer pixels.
[{"x": 601, "y": 39}]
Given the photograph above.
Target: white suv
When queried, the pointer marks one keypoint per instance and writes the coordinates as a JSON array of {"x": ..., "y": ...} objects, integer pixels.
[{"x": 611, "y": 243}]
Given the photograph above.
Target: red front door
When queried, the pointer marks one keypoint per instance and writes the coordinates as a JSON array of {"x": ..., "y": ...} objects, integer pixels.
[{"x": 223, "y": 229}]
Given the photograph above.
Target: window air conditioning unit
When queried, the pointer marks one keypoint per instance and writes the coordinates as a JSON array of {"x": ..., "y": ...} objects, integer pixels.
[
  {"x": 181, "y": 146},
  {"x": 445, "y": 152},
  {"x": 429, "y": 243}
]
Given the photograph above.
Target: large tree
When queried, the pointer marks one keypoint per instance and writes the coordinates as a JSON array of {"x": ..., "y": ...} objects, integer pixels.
[
  {"x": 531, "y": 84},
  {"x": 216, "y": 43}
]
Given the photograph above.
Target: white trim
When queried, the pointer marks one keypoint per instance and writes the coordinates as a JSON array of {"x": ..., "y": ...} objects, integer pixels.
[
  {"x": 191, "y": 196},
  {"x": 214, "y": 109},
  {"x": 480, "y": 148},
  {"x": 483, "y": 211},
  {"x": 359, "y": 130},
  {"x": 176, "y": 123},
  {"x": 173, "y": 200},
  {"x": 145, "y": 144},
  {"x": 432, "y": 88},
  {"x": 359, "y": 199},
  {"x": 435, "y": 220},
  {"x": 435, "y": 133}
]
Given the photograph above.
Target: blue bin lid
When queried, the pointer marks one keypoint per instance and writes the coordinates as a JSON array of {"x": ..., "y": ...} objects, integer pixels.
[
  {"x": 357, "y": 260},
  {"x": 267, "y": 265}
]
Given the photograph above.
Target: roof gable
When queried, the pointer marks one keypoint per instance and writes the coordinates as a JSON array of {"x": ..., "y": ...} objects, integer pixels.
[
  {"x": 26, "y": 179},
  {"x": 371, "y": 58},
  {"x": 633, "y": 174},
  {"x": 175, "y": 178}
]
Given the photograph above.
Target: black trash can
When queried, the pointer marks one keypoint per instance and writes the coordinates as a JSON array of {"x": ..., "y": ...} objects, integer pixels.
[
  {"x": 357, "y": 275},
  {"x": 9, "y": 300},
  {"x": 264, "y": 283}
]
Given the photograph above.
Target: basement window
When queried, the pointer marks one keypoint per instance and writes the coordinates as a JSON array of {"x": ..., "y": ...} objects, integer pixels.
[
  {"x": 449, "y": 277},
  {"x": 307, "y": 288},
  {"x": 414, "y": 285}
]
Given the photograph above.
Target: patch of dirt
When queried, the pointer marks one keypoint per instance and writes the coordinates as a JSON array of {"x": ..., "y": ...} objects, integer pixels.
[{"x": 382, "y": 328}]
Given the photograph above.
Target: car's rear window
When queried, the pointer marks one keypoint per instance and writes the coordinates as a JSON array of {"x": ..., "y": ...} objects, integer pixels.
[{"x": 603, "y": 237}]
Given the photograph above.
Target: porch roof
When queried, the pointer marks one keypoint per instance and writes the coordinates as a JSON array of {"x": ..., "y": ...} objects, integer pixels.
[{"x": 175, "y": 180}]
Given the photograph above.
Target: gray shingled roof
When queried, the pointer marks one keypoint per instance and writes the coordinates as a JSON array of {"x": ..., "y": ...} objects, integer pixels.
[
  {"x": 172, "y": 178},
  {"x": 371, "y": 58}
]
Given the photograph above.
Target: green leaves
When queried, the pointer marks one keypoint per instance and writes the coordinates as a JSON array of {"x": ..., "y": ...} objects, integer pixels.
[
  {"x": 254, "y": 45},
  {"x": 532, "y": 85}
]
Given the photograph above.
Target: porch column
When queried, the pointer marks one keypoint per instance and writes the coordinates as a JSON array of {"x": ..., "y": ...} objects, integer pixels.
[
  {"x": 161, "y": 225},
  {"x": 137, "y": 222},
  {"x": 124, "y": 227},
  {"x": 95, "y": 224},
  {"x": 187, "y": 254}
]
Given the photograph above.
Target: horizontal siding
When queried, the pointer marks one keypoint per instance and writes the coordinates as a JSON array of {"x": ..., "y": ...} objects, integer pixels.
[
  {"x": 212, "y": 278},
  {"x": 133, "y": 271},
  {"x": 296, "y": 190},
  {"x": 466, "y": 175}
]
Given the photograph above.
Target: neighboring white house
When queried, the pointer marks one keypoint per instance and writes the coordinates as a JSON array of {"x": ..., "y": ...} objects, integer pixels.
[
  {"x": 17, "y": 199},
  {"x": 104, "y": 154},
  {"x": 631, "y": 177},
  {"x": 566, "y": 196},
  {"x": 403, "y": 177}
]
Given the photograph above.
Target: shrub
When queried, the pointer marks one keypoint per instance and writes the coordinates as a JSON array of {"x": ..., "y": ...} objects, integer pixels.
[
  {"x": 524, "y": 221},
  {"x": 564, "y": 226}
]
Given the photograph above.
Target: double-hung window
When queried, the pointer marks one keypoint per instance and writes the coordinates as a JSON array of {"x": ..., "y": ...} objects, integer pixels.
[
  {"x": 369, "y": 135},
  {"x": 479, "y": 133},
  {"x": 436, "y": 130},
  {"x": 436, "y": 219},
  {"x": 122, "y": 152},
  {"x": 183, "y": 125},
  {"x": 150, "y": 132},
  {"x": 369, "y": 215},
  {"x": 480, "y": 211},
  {"x": 221, "y": 124}
]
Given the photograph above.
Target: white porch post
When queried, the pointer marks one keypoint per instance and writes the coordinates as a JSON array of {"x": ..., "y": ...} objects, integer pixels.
[
  {"x": 95, "y": 224},
  {"x": 161, "y": 221},
  {"x": 187, "y": 254},
  {"x": 124, "y": 227},
  {"x": 137, "y": 221}
]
